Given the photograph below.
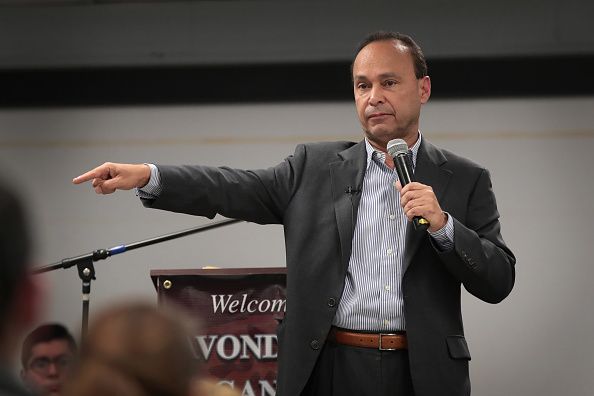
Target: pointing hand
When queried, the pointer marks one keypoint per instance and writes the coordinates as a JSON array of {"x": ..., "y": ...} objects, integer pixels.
[{"x": 109, "y": 177}]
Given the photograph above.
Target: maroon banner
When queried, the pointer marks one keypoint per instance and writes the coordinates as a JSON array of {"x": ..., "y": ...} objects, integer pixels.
[{"x": 240, "y": 310}]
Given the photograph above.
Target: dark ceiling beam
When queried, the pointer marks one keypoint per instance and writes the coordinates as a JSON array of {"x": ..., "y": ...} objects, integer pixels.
[{"x": 451, "y": 78}]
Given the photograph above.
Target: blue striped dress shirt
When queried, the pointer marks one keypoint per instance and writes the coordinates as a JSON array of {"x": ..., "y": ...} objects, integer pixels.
[{"x": 372, "y": 299}]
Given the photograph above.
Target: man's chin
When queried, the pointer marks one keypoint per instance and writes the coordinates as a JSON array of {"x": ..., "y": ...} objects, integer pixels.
[
  {"x": 385, "y": 133},
  {"x": 382, "y": 135},
  {"x": 53, "y": 391}
]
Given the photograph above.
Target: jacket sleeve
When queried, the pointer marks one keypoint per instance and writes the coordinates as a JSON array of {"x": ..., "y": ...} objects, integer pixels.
[
  {"x": 258, "y": 196},
  {"x": 480, "y": 259}
]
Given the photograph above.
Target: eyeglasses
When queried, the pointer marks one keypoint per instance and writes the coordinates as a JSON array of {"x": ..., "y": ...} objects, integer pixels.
[{"x": 42, "y": 365}]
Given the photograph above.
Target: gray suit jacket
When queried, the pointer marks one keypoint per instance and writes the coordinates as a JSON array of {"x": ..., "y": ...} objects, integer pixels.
[{"x": 306, "y": 193}]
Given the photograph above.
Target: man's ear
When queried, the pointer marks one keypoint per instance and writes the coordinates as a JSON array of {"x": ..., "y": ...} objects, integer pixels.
[{"x": 424, "y": 89}]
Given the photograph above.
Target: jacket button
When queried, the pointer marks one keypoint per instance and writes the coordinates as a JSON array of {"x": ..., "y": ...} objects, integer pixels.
[
  {"x": 315, "y": 344},
  {"x": 331, "y": 302}
]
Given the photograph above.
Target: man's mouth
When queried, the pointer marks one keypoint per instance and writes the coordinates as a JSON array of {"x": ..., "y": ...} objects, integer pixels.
[{"x": 376, "y": 115}]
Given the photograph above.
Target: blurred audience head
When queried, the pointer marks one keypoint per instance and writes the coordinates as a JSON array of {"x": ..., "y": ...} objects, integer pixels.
[
  {"x": 19, "y": 296},
  {"x": 47, "y": 357},
  {"x": 135, "y": 350}
]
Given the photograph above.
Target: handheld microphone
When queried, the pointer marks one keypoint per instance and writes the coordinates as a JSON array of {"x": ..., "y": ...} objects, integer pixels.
[{"x": 398, "y": 150}]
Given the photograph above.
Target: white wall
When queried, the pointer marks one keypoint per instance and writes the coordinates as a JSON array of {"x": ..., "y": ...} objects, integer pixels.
[{"x": 537, "y": 342}]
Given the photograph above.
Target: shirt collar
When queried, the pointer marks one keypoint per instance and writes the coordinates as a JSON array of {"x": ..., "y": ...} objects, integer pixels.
[{"x": 380, "y": 156}]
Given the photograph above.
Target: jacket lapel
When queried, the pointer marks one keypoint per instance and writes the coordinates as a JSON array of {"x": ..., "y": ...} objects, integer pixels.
[
  {"x": 347, "y": 171},
  {"x": 428, "y": 171}
]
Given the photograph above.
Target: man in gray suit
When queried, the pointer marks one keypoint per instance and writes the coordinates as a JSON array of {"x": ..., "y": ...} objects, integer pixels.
[{"x": 373, "y": 305}]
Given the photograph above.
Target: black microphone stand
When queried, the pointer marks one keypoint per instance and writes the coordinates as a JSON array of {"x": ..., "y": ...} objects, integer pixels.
[{"x": 86, "y": 269}]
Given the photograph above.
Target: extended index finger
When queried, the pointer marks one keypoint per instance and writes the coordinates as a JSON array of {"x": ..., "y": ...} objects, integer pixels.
[{"x": 97, "y": 173}]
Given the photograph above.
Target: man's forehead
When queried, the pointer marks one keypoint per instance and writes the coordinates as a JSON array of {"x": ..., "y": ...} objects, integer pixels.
[
  {"x": 380, "y": 57},
  {"x": 393, "y": 46},
  {"x": 397, "y": 44},
  {"x": 384, "y": 75},
  {"x": 52, "y": 346}
]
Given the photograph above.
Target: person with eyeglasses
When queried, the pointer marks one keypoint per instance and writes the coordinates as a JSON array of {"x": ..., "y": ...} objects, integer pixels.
[{"x": 48, "y": 356}]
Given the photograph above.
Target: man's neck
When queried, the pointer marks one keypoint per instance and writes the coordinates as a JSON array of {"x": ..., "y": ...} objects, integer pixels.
[{"x": 389, "y": 161}]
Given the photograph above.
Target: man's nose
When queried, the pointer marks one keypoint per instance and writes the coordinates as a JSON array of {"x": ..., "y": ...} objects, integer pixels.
[
  {"x": 53, "y": 370},
  {"x": 376, "y": 96}
]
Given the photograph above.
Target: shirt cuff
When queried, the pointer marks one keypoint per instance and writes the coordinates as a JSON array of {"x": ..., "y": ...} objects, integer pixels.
[
  {"x": 444, "y": 237},
  {"x": 153, "y": 188}
]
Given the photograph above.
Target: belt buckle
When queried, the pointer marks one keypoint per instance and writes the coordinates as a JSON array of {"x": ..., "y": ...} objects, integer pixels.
[{"x": 381, "y": 347}]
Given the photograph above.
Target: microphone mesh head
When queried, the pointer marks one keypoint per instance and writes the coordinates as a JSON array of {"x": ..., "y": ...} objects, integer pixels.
[{"x": 396, "y": 147}]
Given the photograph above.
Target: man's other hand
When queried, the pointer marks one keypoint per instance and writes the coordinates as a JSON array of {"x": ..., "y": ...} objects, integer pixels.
[{"x": 419, "y": 200}]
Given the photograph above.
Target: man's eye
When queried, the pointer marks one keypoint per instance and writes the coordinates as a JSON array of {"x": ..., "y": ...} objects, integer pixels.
[
  {"x": 390, "y": 83},
  {"x": 361, "y": 86},
  {"x": 64, "y": 361},
  {"x": 40, "y": 363}
]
